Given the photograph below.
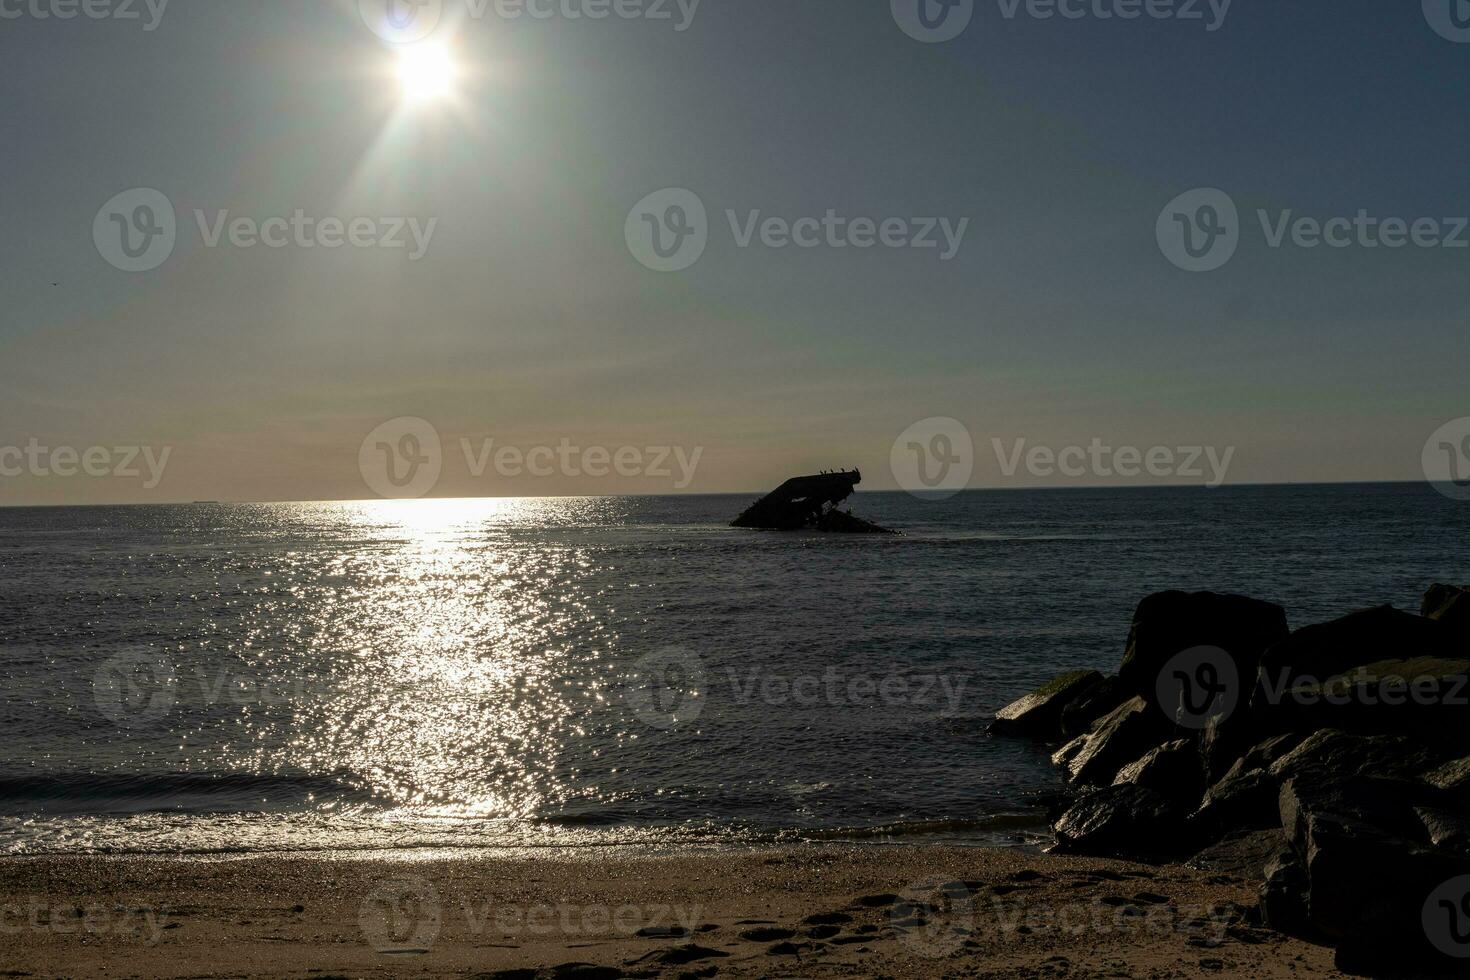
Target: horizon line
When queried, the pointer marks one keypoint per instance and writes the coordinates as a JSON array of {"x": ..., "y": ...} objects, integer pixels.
[{"x": 726, "y": 493}]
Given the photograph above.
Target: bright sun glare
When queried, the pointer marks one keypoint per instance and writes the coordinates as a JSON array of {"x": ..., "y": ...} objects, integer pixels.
[{"x": 426, "y": 73}]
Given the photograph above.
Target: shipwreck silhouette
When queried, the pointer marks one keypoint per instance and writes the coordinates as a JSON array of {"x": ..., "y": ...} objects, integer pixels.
[{"x": 809, "y": 502}]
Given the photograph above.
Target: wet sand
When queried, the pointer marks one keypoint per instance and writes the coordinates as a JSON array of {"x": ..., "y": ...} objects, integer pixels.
[{"x": 838, "y": 910}]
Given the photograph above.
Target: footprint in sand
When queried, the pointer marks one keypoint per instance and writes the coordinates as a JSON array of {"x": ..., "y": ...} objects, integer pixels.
[{"x": 827, "y": 919}]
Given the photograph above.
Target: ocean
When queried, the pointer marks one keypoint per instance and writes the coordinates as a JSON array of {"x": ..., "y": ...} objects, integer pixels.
[{"x": 241, "y": 678}]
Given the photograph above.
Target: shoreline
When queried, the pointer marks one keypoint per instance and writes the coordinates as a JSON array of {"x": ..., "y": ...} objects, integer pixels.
[{"x": 905, "y": 911}]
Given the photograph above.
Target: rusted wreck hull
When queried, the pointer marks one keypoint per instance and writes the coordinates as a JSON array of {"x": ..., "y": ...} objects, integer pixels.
[{"x": 809, "y": 502}]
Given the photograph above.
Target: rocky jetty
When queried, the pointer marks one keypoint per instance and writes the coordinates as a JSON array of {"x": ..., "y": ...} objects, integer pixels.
[{"x": 1331, "y": 763}]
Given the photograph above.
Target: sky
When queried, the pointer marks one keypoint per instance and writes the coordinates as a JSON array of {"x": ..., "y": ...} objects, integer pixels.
[{"x": 532, "y": 310}]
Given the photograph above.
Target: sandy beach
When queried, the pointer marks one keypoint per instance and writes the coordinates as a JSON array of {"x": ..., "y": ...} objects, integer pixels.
[{"x": 836, "y": 910}]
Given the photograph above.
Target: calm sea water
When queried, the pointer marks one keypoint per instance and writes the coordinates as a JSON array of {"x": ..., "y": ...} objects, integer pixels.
[{"x": 607, "y": 671}]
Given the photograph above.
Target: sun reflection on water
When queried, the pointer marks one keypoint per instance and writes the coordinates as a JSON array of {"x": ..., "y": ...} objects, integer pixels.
[{"x": 445, "y": 662}]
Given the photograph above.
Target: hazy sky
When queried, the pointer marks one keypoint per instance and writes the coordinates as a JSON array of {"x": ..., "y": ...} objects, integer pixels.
[{"x": 528, "y": 319}]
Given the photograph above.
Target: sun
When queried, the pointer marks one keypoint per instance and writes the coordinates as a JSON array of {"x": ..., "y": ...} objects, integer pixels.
[{"x": 426, "y": 73}]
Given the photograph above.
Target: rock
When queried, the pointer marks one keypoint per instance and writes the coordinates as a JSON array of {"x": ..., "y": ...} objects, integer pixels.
[
  {"x": 1242, "y": 743},
  {"x": 1283, "y": 897},
  {"x": 1453, "y": 777},
  {"x": 1368, "y": 877},
  {"x": 1128, "y": 821},
  {"x": 1264, "y": 754},
  {"x": 1173, "y": 770},
  {"x": 1446, "y": 829},
  {"x": 1362, "y": 807},
  {"x": 1115, "y": 741},
  {"x": 1062, "y": 757},
  {"x": 1327, "y": 650},
  {"x": 1449, "y": 604},
  {"x": 1240, "y": 801},
  {"x": 1246, "y": 854},
  {"x": 1081, "y": 714},
  {"x": 1245, "y": 797},
  {"x": 1332, "y": 754},
  {"x": 1168, "y": 623},
  {"x": 1039, "y": 714},
  {"x": 1423, "y": 697}
]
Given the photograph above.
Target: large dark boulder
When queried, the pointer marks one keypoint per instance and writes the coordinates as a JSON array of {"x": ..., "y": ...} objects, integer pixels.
[
  {"x": 1453, "y": 777},
  {"x": 1097, "y": 702},
  {"x": 1245, "y": 797},
  {"x": 1336, "y": 755},
  {"x": 1116, "y": 740},
  {"x": 1446, "y": 828},
  {"x": 1370, "y": 872},
  {"x": 1326, "y": 650},
  {"x": 1449, "y": 604},
  {"x": 1425, "y": 697},
  {"x": 1038, "y": 715},
  {"x": 1243, "y": 800},
  {"x": 1247, "y": 853},
  {"x": 1173, "y": 770},
  {"x": 1167, "y": 624},
  {"x": 1123, "y": 821},
  {"x": 1284, "y": 896}
]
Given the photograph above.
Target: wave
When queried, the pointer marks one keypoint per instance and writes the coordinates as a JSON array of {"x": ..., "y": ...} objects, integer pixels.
[{"x": 196, "y": 792}]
